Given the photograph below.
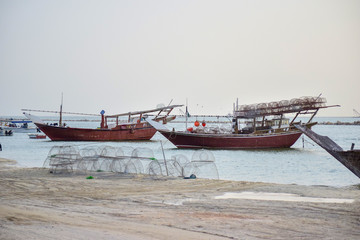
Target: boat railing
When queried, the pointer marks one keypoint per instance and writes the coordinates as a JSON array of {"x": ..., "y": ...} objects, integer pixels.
[
  {"x": 275, "y": 130},
  {"x": 287, "y": 129}
]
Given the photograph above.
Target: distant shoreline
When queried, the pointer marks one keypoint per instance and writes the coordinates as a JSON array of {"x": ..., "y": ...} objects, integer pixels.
[{"x": 340, "y": 123}]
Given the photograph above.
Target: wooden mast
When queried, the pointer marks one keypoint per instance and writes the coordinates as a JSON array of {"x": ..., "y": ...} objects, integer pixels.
[
  {"x": 60, "y": 119},
  {"x": 186, "y": 115}
]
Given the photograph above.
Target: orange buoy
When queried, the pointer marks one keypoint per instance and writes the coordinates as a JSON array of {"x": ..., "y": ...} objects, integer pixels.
[
  {"x": 203, "y": 123},
  {"x": 190, "y": 129},
  {"x": 196, "y": 123}
]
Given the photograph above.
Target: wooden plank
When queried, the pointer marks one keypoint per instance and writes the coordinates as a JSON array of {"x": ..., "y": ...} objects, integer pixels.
[
  {"x": 143, "y": 112},
  {"x": 350, "y": 159}
]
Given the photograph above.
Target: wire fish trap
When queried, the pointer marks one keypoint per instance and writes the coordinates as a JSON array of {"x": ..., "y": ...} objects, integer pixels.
[
  {"x": 122, "y": 157},
  {"x": 203, "y": 156},
  {"x": 156, "y": 168},
  {"x": 88, "y": 159},
  {"x": 112, "y": 159},
  {"x": 202, "y": 165},
  {"x": 261, "y": 108},
  {"x": 225, "y": 128},
  {"x": 134, "y": 166},
  {"x": 61, "y": 158},
  {"x": 106, "y": 157},
  {"x": 127, "y": 150},
  {"x": 212, "y": 129},
  {"x": 53, "y": 153},
  {"x": 131, "y": 164},
  {"x": 115, "y": 163},
  {"x": 140, "y": 160},
  {"x": 176, "y": 165}
]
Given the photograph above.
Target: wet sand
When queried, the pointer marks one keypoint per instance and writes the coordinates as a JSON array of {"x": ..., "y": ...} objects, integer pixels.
[{"x": 36, "y": 204}]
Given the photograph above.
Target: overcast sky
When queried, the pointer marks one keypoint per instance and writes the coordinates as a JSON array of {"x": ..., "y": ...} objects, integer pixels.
[{"x": 125, "y": 56}]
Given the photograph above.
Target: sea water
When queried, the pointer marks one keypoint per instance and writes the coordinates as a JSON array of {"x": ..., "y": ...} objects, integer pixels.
[{"x": 305, "y": 163}]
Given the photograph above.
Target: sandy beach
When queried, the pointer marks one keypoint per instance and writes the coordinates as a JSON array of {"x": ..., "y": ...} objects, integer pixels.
[{"x": 36, "y": 204}]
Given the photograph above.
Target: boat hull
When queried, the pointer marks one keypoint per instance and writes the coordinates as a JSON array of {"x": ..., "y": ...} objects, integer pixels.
[
  {"x": 140, "y": 131},
  {"x": 231, "y": 141}
]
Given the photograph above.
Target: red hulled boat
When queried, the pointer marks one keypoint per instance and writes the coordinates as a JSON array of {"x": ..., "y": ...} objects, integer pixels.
[
  {"x": 257, "y": 132},
  {"x": 140, "y": 131},
  {"x": 135, "y": 128},
  {"x": 231, "y": 141}
]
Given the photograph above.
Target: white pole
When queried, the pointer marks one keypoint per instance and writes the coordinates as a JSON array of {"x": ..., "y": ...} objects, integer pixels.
[{"x": 162, "y": 148}]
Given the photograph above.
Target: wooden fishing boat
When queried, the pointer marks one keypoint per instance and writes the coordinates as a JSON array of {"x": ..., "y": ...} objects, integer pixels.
[
  {"x": 231, "y": 141},
  {"x": 257, "y": 132},
  {"x": 135, "y": 128}
]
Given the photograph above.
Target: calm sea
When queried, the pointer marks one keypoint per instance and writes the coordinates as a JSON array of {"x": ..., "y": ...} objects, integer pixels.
[{"x": 305, "y": 163}]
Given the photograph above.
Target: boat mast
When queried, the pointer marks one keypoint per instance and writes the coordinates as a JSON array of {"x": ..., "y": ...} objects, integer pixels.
[
  {"x": 60, "y": 120},
  {"x": 186, "y": 115},
  {"x": 235, "y": 126}
]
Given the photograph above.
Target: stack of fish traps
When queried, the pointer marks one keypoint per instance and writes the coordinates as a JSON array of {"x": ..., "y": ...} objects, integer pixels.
[
  {"x": 62, "y": 159},
  {"x": 128, "y": 160},
  {"x": 278, "y": 107}
]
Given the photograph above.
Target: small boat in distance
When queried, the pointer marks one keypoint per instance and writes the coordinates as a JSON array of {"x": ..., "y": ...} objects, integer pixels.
[
  {"x": 256, "y": 131},
  {"x": 36, "y": 136},
  {"x": 5, "y": 132},
  {"x": 17, "y": 126},
  {"x": 134, "y": 128}
]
